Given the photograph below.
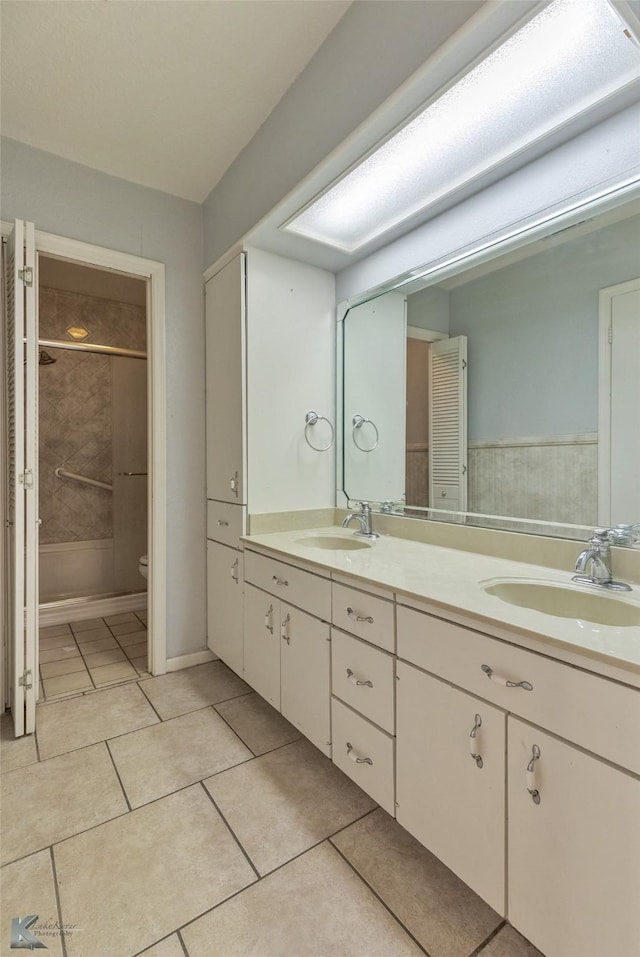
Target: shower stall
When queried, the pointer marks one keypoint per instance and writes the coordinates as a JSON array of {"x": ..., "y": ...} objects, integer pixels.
[{"x": 92, "y": 435}]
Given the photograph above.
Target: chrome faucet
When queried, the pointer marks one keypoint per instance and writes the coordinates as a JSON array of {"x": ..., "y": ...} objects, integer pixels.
[
  {"x": 594, "y": 563},
  {"x": 363, "y": 517}
]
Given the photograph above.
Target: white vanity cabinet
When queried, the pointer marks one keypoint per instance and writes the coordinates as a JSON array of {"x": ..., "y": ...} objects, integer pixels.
[
  {"x": 224, "y": 604},
  {"x": 574, "y": 857},
  {"x": 450, "y": 767},
  {"x": 287, "y": 656}
]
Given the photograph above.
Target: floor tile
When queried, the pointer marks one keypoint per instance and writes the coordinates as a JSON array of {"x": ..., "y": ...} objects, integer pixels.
[
  {"x": 142, "y": 615},
  {"x": 286, "y": 801},
  {"x": 57, "y": 641},
  {"x": 28, "y": 888},
  {"x": 52, "y": 800},
  {"x": 93, "y": 647},
  {"x": 127, "y": 627},
  {"x": 104, "y": 657},
  {"x": 441, "y": 912},
  {"x": 15, "y": 752},
  {"x": 53, "y": 630},
  {"x": 509, "y": 943},
  {"x": 313, "y": 907},
  {"x": 132, "y": 637},
  {"x": 137, "y": 650},
  {"x": 68, "y": 725},
  {"x": 119, "y": 619},
  {"x": 87, "y": 624},
  {"x": 168, "y": 756},
  {"x": 193, "y": 688},
  {"x": 59, "y": 654},
  {"x": 64, "y": 684},
  {"x": 107, "y": 674},
  {"x": 65, "y": 666},
  {"x": 141, "y": 665},
  {"x": 151, "y": 885},
  {"x": 86, "y": 637},
  {"x": 260, "y": 726},
  {"x": 169, "y": 947}
]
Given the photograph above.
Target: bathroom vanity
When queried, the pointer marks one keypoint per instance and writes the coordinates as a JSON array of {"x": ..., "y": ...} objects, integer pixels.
[{"x": 503, "y": 738}]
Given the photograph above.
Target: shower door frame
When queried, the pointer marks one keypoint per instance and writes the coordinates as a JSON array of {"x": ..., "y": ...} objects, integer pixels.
[{"x": 154, "y": 273}]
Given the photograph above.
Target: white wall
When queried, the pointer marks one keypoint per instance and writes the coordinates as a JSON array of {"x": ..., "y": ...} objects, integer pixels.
[{"x": 71, "y": 200}]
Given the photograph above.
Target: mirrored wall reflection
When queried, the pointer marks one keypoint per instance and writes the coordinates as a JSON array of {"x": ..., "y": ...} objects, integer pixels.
[
  {"x": 546, "y": 438},
  {"x": 92, "y": 426}
]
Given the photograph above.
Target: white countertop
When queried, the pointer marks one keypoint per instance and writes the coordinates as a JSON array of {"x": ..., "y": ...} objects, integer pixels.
[{"x": 453, "y": 579}]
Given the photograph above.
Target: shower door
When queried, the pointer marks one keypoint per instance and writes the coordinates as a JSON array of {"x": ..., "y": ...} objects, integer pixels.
[{"x": 22, "y": 475}]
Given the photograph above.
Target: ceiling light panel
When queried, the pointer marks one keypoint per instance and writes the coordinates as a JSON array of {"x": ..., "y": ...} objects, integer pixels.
[{"x": 569, "y": 57}]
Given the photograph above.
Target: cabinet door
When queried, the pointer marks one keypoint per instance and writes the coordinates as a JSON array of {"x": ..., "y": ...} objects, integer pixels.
[
  {"x": 305, "y": 657},
  {"x": 451, "y": 802},
  {"x": 262, "y": 643},
  {"x": 225, "y": 378},
  {"x": 224, "y": 604},
  {"x": 574, "y": 858}
]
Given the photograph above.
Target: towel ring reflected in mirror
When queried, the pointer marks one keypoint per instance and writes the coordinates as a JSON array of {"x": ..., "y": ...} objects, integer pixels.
[
  {"x": 358, "y": 422},
  {"x": 311, "y": 419}
]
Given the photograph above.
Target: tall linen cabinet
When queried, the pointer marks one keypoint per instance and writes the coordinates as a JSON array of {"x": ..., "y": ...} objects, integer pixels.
[{"x": 270, "y": 359}]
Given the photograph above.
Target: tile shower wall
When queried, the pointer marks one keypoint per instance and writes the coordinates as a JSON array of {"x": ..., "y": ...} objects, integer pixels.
[{"x": 75, "y": 415}]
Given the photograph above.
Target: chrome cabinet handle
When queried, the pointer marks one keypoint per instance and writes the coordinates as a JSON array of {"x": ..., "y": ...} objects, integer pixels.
[
  {"x": 234, "y": 571},
  {"x": 473, "y": 741},
  {"x": 352, "y": 614},
  {"x": 531, "y": 775},
  {"x": 501, "y": 680},
  {"x": 278, "y": 581},
  {"x": 222, "y": 522},
  {"x": 284, "y": 630},
  {"x": 233, "y": 484},
  {"x": 268, "y": 619},
  {"x": 356, "y": 681},
  {"x": 354, "y": 757}
]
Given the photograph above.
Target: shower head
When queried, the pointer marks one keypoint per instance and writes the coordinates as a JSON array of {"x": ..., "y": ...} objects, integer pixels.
[{"x": 44, "y": 359}]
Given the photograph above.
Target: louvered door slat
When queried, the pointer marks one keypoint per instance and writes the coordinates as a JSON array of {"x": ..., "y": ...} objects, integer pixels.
[{"x": 447, "y": 424}]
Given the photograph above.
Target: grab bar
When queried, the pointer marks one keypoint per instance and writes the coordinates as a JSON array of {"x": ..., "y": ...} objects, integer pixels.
[{"x": 61, "y": 473}]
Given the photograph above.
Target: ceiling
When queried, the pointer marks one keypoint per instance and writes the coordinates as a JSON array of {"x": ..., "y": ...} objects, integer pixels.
[{"x": 165, "y": 93}]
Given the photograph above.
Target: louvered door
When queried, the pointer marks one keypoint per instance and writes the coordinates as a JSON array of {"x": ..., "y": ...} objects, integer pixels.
[{"x": 448, "y": 424}]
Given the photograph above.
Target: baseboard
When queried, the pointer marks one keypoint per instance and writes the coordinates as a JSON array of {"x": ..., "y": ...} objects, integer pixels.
[
  {"x": 188, "y": 661},
  {"x": 75, "y": 609}
]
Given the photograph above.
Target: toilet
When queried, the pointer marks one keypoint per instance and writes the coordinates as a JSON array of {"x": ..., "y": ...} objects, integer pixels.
[{"x": 143, "y": 566}]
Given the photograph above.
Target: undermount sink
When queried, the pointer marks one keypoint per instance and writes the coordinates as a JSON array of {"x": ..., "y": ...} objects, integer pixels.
[
  {"x": 335, "y": 542},
  {"x": 566, "y": 602}
]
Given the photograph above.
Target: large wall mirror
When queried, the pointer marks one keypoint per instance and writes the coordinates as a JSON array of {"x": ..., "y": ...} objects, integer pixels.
[{"x": 508, "y": 390}]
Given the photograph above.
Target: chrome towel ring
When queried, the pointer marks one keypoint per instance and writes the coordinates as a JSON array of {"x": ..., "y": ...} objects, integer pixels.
[
  {"x": 358, "y": 422},
  {"x": 311, "y": 419}
]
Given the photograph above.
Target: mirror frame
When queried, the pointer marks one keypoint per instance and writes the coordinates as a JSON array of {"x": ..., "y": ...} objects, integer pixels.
[{"x": 437, "y": 271}]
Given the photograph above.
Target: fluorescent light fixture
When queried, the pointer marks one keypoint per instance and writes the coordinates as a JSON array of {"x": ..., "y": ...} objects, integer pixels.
[{"x": 565, "y": 60}]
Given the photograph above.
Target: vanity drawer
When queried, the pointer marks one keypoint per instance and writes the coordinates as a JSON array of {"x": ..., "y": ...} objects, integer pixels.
[
  {"x": 293, "y": 585},
  {"x": 364, "y": 753},
  {"x": 225, "y": 522},
  {"x": 596, "y": 713},
  {"x": 363, "y": 615},
  {"x": 363, "y": 677}
]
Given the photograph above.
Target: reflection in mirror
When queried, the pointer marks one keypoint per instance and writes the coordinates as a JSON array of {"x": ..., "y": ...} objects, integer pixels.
[{"x": 549, "y": 430}]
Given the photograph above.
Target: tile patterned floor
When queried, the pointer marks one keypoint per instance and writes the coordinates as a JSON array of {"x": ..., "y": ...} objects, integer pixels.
[
  {"x": 84, "y": 655},
  {"x": 181, "y": 815}
]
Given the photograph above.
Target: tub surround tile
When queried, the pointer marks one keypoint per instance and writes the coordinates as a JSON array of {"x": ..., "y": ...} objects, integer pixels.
[
  {"x": 260, "y": 726},
  {"x": 153, "y": 885},
  {"x": 286, "y": 801},
  {"x": 193, "y": 688},
  {"x": 15, "y": 752},
  {"x": 67, "y": 684},
  {"x": 48, "y": 802},
  {"x": 28, "y": 888},
  {"x": 68, "y": 725},
  {"x": 108, "y": 674},
  {"x": 312, "y": 907},
  {"x": 441, "y": 912},
  {"x": 168, "y": 756}
]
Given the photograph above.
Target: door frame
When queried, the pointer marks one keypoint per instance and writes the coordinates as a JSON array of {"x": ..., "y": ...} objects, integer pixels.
[
  {"x": 154, "y": 273},
  {"x": 605, "y": 298}
]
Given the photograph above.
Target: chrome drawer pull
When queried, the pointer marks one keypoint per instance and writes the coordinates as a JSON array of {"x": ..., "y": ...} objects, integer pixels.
[
  {"x": 278, "y": 581},
  {"x": 501, "y": 680},
  {"x": 284, "y": 630},
  {"x": 222, "y": 522},
  {"x": 531, "y": 775},
  {"x": 473, "y": 741},
  {"x": 352, "y": 614},
  {"x": 234, "y": 571},
  {"x": 268, "y": 619},
  {"x": 356, "y": 681},
  {"x": 354, "y": 757}
]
